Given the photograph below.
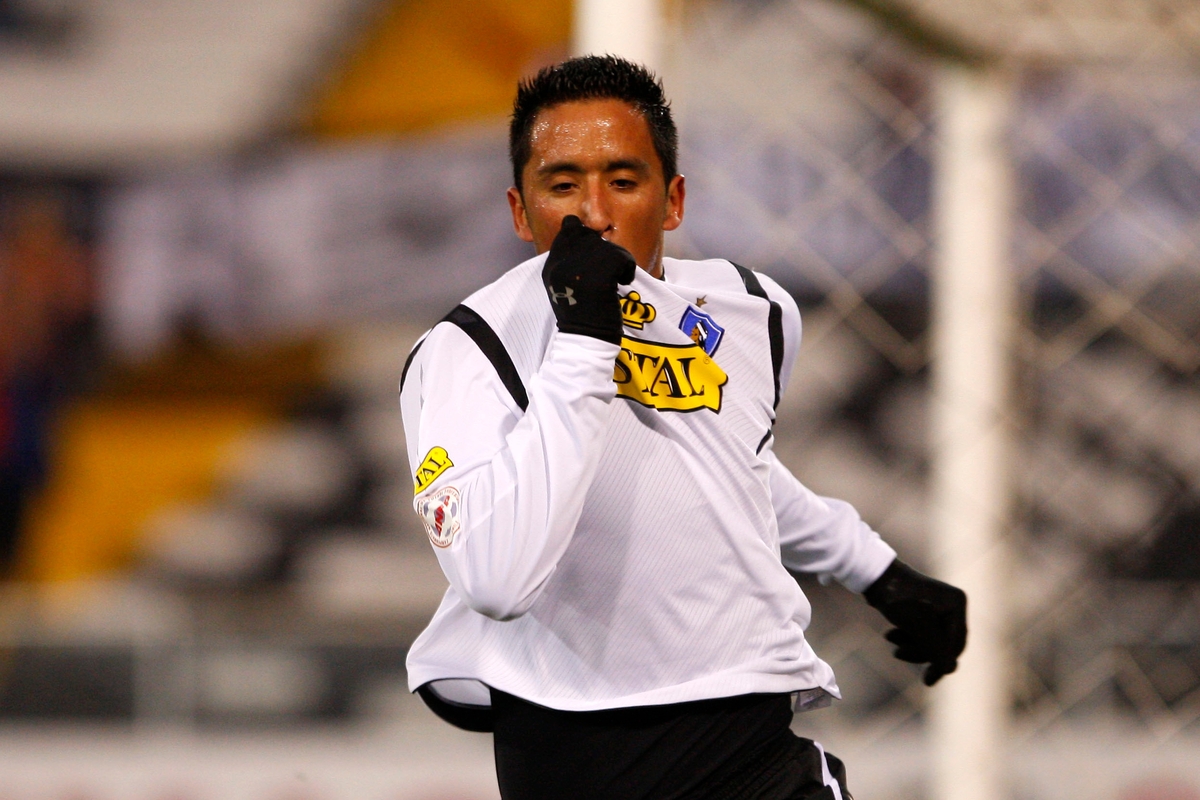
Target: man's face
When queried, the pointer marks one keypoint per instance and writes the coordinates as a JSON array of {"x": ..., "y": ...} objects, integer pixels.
[{"x": 595, "y": 159}]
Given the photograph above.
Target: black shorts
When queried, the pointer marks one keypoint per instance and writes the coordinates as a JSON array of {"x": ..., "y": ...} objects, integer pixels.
[{"x": 732, "y": 748}]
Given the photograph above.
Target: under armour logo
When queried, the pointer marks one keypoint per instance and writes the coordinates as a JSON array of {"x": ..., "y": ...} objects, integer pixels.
[{"x": 568, "y": 295}]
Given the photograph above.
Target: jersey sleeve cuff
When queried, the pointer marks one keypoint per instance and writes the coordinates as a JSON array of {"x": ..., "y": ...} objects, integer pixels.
[
  {"x": 878, "y": 557},
  {"x": 581, "y": 366}
]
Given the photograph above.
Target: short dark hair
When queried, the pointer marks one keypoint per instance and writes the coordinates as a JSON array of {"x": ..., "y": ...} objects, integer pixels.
[{"x": 593, "y": 78}]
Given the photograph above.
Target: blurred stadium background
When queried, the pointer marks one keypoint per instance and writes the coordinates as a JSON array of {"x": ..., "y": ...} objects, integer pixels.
[{"x": 223, "y": 224}]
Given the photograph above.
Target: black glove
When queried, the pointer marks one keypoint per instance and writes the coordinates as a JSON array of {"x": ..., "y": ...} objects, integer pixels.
[
  {"x": 581, "y": 275},
  {"x": 930, "y": 618}
]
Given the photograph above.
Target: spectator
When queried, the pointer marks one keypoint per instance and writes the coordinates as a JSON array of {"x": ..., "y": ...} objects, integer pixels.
[{"x": 44, "y": 295}]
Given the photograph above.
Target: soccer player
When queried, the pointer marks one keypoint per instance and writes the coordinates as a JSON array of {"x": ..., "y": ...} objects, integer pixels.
[{"x": 591, "y": 439}]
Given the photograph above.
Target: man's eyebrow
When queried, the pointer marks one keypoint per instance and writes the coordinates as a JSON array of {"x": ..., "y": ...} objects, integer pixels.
[
  {"x": 635, "y": 164},
  {"x": 559, "y": 166}
]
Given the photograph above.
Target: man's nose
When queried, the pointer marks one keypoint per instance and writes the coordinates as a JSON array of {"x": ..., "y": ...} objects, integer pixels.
[{"x": 594, "y": 211}]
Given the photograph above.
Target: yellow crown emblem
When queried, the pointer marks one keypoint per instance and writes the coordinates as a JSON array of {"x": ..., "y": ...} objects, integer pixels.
[{"x": 634, "y": 312}]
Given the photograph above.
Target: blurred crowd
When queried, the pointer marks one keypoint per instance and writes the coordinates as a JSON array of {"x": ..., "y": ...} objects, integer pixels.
[{"x": 46, "y": 303}]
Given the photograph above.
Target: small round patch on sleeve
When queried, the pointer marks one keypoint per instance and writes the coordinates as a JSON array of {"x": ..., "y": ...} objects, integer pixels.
[{"x": 440, "y": 512}]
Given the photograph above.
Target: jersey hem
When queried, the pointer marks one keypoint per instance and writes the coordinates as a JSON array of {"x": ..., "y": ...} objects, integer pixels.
[{"x": 708, "y": 688}]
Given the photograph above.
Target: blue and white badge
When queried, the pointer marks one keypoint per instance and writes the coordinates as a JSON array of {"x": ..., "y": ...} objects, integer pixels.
[{"x": 702, "y": 329}]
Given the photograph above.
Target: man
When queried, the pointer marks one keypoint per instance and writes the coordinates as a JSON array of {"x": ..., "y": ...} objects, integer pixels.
[{"x": 591, "y": 443}]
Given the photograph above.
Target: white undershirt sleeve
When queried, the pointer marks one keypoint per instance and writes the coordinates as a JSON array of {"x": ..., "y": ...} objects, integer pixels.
[
  {"x": 520, "y": 478},
  {"x": 824, "y": 536}
]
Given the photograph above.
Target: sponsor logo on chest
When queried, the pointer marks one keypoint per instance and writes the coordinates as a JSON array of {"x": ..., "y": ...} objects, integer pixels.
[
  {"x": 668, "y": 377},
  {"x": 635, "y": 313}
]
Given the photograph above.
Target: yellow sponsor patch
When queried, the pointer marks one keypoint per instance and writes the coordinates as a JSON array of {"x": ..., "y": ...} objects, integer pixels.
[
  {"x": 668, "y": 377},
  {"x": 437, "y": 461}
]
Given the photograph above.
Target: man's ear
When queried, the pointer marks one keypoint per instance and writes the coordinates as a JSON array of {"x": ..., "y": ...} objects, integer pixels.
[
  {"x": 516, "y": 204},
  {"x": 676, "y": 193}
]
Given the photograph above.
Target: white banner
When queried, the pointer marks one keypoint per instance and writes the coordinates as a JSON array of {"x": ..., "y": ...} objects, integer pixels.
[{"x": 307, "y": 238}]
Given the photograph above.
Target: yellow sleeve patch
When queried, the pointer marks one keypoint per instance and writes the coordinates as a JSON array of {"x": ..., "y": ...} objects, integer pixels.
[{"x": 437, "y": 461}]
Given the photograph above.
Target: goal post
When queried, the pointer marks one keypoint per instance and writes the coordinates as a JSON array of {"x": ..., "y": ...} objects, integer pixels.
[{"x": 972, "y": 301}]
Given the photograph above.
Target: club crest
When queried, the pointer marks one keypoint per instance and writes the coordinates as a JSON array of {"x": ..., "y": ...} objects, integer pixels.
[
  {"x": 440, "y": 514},
  {"x": 702, "y": 329}
]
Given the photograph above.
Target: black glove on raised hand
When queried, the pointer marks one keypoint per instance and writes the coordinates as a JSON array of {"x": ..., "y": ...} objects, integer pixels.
[
  {"x": 581, "y": 276},
  {"x": 930, "y": 618}
]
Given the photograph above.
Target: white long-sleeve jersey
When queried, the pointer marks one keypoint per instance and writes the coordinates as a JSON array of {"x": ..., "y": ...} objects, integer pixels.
[{"x": 613, "y": 522}]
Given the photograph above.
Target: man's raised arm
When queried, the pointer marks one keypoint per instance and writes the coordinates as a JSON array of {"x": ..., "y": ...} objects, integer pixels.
[{"x": 499, "y": 489}]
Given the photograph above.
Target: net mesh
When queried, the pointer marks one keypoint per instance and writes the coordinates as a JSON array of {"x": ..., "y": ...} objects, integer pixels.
[{"x": 807, "y": 130}]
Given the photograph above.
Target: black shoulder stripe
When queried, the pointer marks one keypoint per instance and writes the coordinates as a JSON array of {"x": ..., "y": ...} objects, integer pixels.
[
  {"x": 408, "y": 362},
  {"x": 486, "y": 339},
  {"x": 775, "y": 332},
  {"x": 763, "y": 443},
  {"x": 751, "y": 280},
  {"x": 482, "y": 334},
  {"x": 774, "y": 321}
]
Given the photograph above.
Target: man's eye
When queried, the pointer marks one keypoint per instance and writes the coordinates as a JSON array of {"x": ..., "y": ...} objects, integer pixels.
[
  {"x": 624, "y": 183},
  {"x": 563, "y": 186}
]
